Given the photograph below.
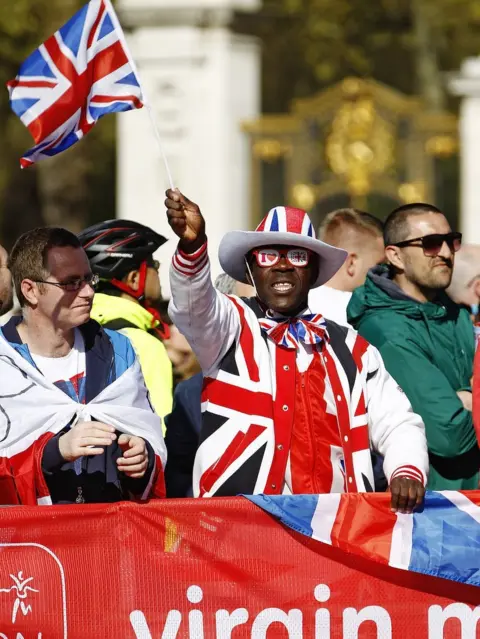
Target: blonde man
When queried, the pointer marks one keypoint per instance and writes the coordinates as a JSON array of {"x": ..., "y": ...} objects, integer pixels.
[{"x": 360, "y": 234}]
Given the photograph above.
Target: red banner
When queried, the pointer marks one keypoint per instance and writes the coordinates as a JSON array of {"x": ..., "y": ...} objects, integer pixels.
[{"x": 204, "y": 569}]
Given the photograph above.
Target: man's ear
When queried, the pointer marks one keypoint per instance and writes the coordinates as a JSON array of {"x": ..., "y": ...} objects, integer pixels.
[
  {"x": 132, "y": 280},
  {"x": 350, "y": 264},
  {"x": 394, "y": 257},
  {"x": 30, "y": 291}
]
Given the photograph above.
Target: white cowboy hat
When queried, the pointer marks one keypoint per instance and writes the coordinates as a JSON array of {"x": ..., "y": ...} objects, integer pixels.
[{"x": 282, "y": 225}]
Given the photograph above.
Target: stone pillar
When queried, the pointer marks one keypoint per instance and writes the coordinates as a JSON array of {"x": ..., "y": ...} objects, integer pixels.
[
  {"x": 467, "y": 85},
  {"x": 203, "y": 81}
]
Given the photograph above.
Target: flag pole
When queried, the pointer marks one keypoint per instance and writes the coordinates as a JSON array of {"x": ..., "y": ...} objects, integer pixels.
[
  {"x": 151, "y": 115},
  {"x": 146, "y": 102}
]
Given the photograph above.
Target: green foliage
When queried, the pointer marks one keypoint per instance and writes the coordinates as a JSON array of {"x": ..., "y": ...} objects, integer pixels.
[{"x": 318, "y": 42}]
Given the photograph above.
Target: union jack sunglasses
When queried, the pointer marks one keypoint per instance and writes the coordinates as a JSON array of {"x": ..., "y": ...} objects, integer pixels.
[{"x": 267, "y": 257}]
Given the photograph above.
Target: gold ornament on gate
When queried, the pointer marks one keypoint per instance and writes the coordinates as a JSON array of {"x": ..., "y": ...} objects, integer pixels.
[
  {"x": 360, "y": 145},
  {"x": 270, "y": 149},
  {"x": 412, "y": 192},
  {"x": 303, "y": 196}
]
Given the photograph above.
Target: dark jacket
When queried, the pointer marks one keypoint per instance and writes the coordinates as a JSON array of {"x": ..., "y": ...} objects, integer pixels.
[
  {"x": 108, "y": 354},
  {"x": 428, "y": 348},
  {"x": 182, "y": 436}
]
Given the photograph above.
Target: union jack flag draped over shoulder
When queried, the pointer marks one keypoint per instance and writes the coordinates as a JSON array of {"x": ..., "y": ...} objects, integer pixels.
[{"x": 79, "y": 74}]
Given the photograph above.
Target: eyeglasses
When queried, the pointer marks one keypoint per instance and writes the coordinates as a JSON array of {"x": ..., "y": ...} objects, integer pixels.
[
  {"x": 432, "y": 244},
  {"x": 269, "y": 257},
  {"x": 75, "y": 285}
]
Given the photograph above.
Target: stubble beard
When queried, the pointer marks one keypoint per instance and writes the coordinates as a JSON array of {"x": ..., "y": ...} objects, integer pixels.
[
  {"x": 431, "y": 277},
  {"x": 435, "y": 281}
]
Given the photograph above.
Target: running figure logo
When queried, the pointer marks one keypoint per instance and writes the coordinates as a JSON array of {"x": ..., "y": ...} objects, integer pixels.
[{"x": 22, "y": 589}]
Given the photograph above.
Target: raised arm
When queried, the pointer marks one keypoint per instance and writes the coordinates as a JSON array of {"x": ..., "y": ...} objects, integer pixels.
[{"x": 207, "y": 318}]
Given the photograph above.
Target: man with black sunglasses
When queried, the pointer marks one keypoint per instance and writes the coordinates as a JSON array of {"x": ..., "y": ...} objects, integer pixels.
[
  {"x": 76, "y": 424},
  {"x": 426, "y": 340}
]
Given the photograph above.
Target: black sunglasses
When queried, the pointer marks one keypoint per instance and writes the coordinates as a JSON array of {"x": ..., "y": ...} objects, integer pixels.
[{"x": 432, "y": 244}]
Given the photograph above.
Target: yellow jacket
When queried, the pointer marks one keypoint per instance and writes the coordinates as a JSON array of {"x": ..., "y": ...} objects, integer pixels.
[{"x": 152, "y": 355}]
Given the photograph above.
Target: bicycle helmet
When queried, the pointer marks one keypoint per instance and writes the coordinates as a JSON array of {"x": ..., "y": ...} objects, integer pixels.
[{"x": 116, "y": 247}]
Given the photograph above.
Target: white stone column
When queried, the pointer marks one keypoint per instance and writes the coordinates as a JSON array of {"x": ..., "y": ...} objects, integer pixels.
[
  {"x": 203, "y": 81},
  {"x": 467, "y": 85}
]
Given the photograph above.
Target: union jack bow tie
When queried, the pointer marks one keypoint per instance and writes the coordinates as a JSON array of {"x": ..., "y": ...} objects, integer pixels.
[{"x": 309, "y": 329}]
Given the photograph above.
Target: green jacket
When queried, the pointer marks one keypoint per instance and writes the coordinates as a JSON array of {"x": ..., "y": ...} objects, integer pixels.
[
  {"x": 428, "y": 348},
  {"x": 151, "y": 353}
]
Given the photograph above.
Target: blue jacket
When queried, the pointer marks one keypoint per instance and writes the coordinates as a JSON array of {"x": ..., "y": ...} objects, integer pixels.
[
  {"x": 183, "y": 431},
  {"x": 95, "y": 479}
]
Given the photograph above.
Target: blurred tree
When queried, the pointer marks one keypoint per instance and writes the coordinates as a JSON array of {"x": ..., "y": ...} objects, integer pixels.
[
  {"x": 307, "y": 45},
  {"x": 407, "y": 44}
]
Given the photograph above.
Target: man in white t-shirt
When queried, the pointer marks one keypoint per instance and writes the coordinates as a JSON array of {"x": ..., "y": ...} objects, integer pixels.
[
  {"x": 86, "y": 461},
  {"x": 361, "y": 235},
  {"x": 67, "y": 372}
]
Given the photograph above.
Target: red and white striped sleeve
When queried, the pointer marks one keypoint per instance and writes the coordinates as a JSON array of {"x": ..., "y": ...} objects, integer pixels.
[
  {"x": 208, "y": 319},
  {"x": 412, "y": 472},
  {"x": 190, "y": 264}
]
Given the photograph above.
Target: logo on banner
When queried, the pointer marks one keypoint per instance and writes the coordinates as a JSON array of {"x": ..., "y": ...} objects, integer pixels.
[
  {"x": 22, "y": 589},
  {"x": 33, "y": 598}
]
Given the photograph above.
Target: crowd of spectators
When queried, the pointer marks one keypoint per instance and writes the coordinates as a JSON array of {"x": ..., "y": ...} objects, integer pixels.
[{"x": 204, "y": 399}]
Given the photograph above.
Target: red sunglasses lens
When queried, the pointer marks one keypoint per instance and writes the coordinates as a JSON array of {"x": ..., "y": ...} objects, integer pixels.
[
  {"x": 267, "y": 257},
  {"x": 298, "y": 257}
]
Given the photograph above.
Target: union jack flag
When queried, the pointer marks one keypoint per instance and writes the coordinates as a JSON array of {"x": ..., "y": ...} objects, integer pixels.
[
  {"x": 441, "y": 540},
  {"x": 79, "y": 74}
]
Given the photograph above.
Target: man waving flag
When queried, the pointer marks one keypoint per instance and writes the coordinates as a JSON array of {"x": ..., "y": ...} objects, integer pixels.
[{"x": 78, "y": 75}]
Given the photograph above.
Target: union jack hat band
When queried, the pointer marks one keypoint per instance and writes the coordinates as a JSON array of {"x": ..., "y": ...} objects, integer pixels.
[{"x": 284, "y": 226}]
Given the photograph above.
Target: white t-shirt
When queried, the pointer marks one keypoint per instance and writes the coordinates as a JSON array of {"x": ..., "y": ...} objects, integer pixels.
[
  {"x": 68, "y": 373},
  {"x": 331, "y": 303}
]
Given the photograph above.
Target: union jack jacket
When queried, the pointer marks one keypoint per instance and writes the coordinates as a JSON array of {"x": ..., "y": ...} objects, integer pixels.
[{"x": 249, "y": 393}]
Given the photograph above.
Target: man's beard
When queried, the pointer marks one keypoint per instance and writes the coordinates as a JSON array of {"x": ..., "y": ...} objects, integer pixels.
[{"x": 435, "y": 280}]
